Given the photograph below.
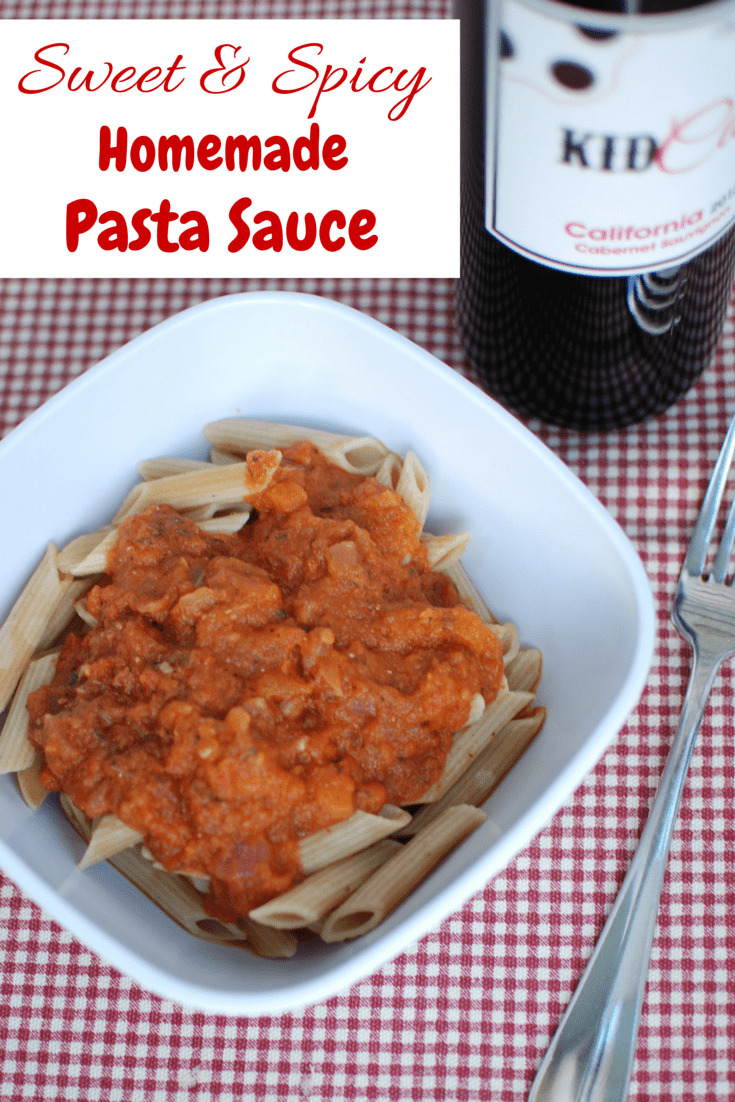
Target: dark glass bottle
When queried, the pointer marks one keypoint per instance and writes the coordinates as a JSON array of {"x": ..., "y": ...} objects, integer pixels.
[{"x": 584, "y": 351}]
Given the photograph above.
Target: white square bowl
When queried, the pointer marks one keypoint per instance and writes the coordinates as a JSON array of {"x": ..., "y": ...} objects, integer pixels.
[{"x": 544, "y": 553}]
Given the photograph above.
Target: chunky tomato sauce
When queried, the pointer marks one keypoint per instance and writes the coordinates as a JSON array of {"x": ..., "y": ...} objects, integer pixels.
[{"x": 240, "y": 692}]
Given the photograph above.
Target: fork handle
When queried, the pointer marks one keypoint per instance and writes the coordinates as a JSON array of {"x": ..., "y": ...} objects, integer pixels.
[{"x": 590, "y": 1058}]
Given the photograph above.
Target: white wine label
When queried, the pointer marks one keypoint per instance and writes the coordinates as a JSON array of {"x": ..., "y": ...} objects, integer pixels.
[{"x": 610, "y": 140}]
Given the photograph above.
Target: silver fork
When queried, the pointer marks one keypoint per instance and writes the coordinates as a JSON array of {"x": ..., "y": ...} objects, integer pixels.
[{"x": 590, "y": 1058}]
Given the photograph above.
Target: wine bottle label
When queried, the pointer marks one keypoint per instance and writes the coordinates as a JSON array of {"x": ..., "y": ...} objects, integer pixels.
[{"x": 610, "y": 140}]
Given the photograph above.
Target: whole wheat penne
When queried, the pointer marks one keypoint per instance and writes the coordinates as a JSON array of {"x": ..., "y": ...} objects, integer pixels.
[
  {"x": 524, "y": 672},
  {"x": 87, "y": 555},
  {"x": 414, "y": 487},
  {"x": 28, "y": 621},
  {"x": 176, "y": 896},
  {"x": 470, "y": 741},
  {"x": 76, "y": 551},
  {"x": 201, "y": 883},
  {"x": 477, "y": 709},
  {"x": 343, "y": 839},
  {"x": 508, "y": 635},
  {"x": 16, "y": 752},
  {"x": 168, "y": 465},
  {"x": 468, "y": 592},
  {"x": 267, "y": 941},
  {"x": 389, "y": 471},
  {"x": 357, "y": 871},
  {"x": 199, "y": 880},
  {"x": 312, "y": 900},
  {"x": 95, "y": 561},
  {"x": 486, "y": 772},
  {"x": 223, "y": 485},
  {"x": 72, "y": 590},
  {"x": 30, "y": 787},
  {"x": 81, "y": 822},
  {"x": 225, "y": 522},
  {"x": 442, "y": 551},
  {"x": 84, "y": 614},
  {"x": 172, "y": 893},
  {"x": 396, "y": 879},
  {"x": 239, "y": 435},
  {"x": 219, "y": 455},
  {"x": 358, "y": 454},
  {"x": 201, "y": 512},
  {"x": 108, "y": 836}
]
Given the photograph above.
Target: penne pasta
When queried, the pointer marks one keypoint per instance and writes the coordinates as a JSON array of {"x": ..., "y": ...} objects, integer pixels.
[
  {"x": 84, "y": 614},
  {"x": 524, "y": 672},
  {"x": 467, "y": 591},
  {"x": 81, "y": 823},
  {"x": 267, "y": 941},
  {"x": 486, "y": 772},
  {"x": 414, "y": 487},
  {"x": 477, "y": 709},
  {"x": 87, "y": 555},
  {"x": 76, "y": 551},
  {"x": 508, "y": 635},
  {"x": 176, "y": 896},
  {"x": 470, "y": 741},
  {"x": 200, "y": 882},
  {"x": 16, "y": 751},
  {"x": 357, "y": 454},
  {"x": 201, "y": 512},
  {"x": 30, "y": 787},
  {"x": 348, "y": 837},
  {"x": 309, "y": 903},
  {"x": 405, "y": 870},
  {"x": 72, "y": 590},
  {"x": 355, "y": 872},
  {"x": 220, "y": 485},
  {"x": 166, "y": 466},
  {"x": 28, "y": 621},
  {"x": 225, "y": 522},
  {"x": 217, "y": 455},
  {"x": 108, "y": 836},
  {"x": 389, "y": 471},
  {"x": 95, "y": 561},
  {"x": 172, "y": 893},
  {"x": 442, "y": 551}
]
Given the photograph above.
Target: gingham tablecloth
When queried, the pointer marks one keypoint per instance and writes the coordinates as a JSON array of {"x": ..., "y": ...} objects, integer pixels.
[{"x": 466, "y": 1014}]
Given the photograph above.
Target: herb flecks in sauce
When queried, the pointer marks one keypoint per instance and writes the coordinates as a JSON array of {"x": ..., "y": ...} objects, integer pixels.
[{"x": 241, "y": 692}]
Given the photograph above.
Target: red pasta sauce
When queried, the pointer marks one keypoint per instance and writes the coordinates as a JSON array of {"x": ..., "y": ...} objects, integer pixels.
[{"x": 241, "y": 692}]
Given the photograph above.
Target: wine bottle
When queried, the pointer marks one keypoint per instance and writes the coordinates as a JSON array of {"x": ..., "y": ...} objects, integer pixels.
[{"x": 598, "y": 202}]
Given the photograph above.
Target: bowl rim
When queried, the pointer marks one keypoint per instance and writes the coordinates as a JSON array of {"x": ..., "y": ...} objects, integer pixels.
[{"x": 449, "y": 898}]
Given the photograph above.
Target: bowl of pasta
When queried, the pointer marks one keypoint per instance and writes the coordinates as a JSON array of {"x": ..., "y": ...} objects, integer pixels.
[{"x": 297, "y": 652}]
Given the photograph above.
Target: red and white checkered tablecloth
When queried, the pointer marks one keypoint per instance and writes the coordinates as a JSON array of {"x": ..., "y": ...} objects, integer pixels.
[{"x": 465, "y": 1014}]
